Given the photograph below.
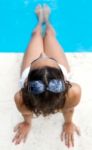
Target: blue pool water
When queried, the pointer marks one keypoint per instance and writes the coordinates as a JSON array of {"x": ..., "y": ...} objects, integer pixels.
[{"x": 71, "y": 19}]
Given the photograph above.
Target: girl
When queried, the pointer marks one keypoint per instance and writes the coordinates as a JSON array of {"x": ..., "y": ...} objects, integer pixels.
[{"x": 45, "y": 88}]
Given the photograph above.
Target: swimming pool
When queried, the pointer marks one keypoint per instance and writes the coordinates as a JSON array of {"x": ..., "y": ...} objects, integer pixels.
[{"x": 72, "y": 21}]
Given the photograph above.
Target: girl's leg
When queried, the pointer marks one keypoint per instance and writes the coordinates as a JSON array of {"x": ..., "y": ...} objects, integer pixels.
[
  {"x": 51, "y": 46},
  {"x": 35, "y": 47}
]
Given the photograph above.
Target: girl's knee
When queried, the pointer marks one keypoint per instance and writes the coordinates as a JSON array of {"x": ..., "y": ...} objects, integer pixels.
[
  {"x": 49, "y": 32},
  {"x": 36, "y": 32}
]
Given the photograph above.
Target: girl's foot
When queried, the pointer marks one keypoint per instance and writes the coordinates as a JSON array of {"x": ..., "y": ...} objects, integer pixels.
[
  {"x": 39, "y": 13},
  {"x": 46, "y": 13}
]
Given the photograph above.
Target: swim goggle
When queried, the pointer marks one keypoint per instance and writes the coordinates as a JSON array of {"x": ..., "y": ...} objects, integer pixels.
[{"x": 38, "y": 87}]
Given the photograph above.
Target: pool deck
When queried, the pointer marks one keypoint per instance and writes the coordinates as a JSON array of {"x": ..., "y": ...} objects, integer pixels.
[{"x": 45, "y": 133}]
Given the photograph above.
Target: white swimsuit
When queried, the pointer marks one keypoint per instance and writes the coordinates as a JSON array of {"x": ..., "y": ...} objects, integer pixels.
[{"x": 27, "y": 70}]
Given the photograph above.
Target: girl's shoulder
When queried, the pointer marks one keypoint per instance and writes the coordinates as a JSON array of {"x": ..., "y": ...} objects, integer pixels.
[
  {"x": 73, "y": 96},
  {"x": 18, "y": 98},
  {"x": 20, "y": 105}
]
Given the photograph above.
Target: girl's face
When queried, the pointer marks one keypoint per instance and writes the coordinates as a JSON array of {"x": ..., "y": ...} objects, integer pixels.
[{"x": 44, "y": 60}]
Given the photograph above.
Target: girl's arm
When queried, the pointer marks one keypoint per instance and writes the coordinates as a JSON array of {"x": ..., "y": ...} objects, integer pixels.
[
  {"x": 72, "y": 99},
  {"x": 68, "y": 115},
  {"x": 27, "y": 115},
  {"x": 23, "y": 128}
]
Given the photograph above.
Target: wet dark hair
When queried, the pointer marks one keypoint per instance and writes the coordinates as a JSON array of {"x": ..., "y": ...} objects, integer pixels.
[{"x": 47, "y": 102}]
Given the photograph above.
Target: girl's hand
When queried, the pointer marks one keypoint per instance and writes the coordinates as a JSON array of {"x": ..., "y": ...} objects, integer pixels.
[
  {"x": 22, "y": 130},
  {"x": 68, "y": 133}
]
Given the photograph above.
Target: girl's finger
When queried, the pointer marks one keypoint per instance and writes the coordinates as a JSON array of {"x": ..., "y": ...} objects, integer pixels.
[
  {"x": 72, "y": 139},
  {"x": 66, "y": 139},
  {"x": 16, "y": 136},
  {"x": 62, "y": 135},
  {"x": 77, "y": 131},
  {"x": 19, "y": 139},
  {"x": 16, "y": 127},
  {"x": 69, "y": 140},
  {"x": 25, "y": 138}
]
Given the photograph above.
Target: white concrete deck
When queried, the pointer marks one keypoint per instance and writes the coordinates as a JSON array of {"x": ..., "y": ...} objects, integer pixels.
[{"x": 45, "y": 132}]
